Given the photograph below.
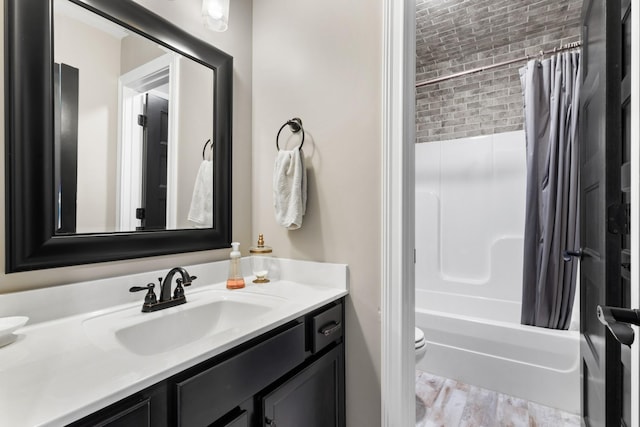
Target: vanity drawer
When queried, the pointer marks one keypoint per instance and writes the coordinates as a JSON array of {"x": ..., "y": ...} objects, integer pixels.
[
  {"x": 326, "y": 327},
  {"x": 209, "y": 395}
]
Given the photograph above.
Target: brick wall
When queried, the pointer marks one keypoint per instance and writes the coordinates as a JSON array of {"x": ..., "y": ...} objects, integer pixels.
[{"x": 458, "y": 35}]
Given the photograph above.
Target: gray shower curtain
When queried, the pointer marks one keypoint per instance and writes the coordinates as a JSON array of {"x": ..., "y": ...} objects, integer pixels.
[{"x": 551, "y": 90}]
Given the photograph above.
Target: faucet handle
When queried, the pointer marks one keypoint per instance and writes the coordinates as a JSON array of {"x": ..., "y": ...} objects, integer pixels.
[
  {"x": 149, "y": 286},
  {"x": 179, "y": 291},
  {"x": 150, "y": 297}
]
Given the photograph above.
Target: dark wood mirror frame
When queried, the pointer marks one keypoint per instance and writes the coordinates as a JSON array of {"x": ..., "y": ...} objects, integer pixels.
[{"x": 31, "y": 242}]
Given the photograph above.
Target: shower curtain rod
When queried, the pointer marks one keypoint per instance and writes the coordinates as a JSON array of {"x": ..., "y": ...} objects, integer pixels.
[{"x": 500, "y": 64}]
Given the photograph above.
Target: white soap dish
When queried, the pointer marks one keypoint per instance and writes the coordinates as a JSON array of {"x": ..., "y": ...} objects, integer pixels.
[{"x": 8, "y": 325}]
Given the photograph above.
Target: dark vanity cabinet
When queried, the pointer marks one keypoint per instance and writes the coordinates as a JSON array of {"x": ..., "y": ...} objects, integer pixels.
[
  {"x": 146, "y": 408},
  {"x": 291, "y": 376},
  {"x": 309, "y": 398}
]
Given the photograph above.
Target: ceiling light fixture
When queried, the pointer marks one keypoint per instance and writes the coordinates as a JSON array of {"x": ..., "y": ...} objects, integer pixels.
[{"x": 215, "y": 14}]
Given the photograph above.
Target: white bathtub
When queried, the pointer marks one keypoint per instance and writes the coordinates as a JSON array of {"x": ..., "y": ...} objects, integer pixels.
[{"x": 497, "y": 353}]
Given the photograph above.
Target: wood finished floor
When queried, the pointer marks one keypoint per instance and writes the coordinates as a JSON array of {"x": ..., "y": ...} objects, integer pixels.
[{"x": 442, "y": 402}]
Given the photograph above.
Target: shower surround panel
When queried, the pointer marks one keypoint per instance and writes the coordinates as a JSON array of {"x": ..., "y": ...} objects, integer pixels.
[
  {"x": 470, "y": 205},
  {"x": 470, "y": 215}
]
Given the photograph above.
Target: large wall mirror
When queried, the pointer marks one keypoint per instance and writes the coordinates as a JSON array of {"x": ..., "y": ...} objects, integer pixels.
[{"x": 118, "y": 135}]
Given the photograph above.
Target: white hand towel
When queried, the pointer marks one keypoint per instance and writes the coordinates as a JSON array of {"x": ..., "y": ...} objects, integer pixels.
[
  {"x": 290, "y": 188},
  {"x": 201, "y": 210}
]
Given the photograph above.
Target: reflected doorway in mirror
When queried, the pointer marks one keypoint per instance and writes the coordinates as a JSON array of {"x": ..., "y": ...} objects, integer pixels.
[{"x": 143, "y": 176}]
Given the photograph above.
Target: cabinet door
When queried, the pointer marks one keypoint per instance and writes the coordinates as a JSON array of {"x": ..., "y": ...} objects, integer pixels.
[
  {"x": 146, "y": 408},
  {"x": 235, "y": 419},
  {"x": 312, "y": 398},
  {"x": 136, "y": 415},
  {"x": 207, "y": 396},
  {"x": 241, "y": 421}
]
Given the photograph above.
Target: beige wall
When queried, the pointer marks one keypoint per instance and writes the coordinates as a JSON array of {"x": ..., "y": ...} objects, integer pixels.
[
  {"x": 195, "y": 127},
  {"x": 322, "y": 61},
  {"x": 236, "y": 42},
  {"x": 97, "y": 118},
  {"x": 136, "y": 51}
]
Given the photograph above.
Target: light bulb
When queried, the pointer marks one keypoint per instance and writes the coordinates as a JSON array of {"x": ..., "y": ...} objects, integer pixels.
[{"x": 215, "y": 14}]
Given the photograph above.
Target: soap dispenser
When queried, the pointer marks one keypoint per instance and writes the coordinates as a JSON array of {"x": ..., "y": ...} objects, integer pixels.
[
  {"x": 260, "y": 260},
  {"x": 235, "y": 280}
]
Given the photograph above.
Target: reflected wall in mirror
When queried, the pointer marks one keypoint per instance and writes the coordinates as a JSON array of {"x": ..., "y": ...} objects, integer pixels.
[
  {"x": 143, "y": 113},
  {"x": 105, "y": 135}
]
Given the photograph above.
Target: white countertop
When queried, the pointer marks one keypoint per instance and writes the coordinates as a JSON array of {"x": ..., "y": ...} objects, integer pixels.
[{"x": 55, "y": 373}]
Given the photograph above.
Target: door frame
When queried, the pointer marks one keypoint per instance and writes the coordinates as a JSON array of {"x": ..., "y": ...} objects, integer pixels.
[
  {"x": 398, "y": 228},
  {"x": 129, "y": 157},
  {"x": 397, "y": 225},
  {"x": 635, "y": 208}
]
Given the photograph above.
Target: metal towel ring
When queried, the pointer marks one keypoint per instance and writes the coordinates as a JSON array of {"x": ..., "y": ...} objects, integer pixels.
[
  {"x": 204, "y": 149},
  {"x": 295, "y": 125}
]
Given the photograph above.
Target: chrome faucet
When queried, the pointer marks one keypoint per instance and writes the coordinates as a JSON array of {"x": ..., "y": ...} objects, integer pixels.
[{"x": 151, "y": 303}]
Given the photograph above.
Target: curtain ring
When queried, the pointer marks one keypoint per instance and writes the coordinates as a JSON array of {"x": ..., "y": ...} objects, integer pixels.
[{"x": 295, "y": 125}]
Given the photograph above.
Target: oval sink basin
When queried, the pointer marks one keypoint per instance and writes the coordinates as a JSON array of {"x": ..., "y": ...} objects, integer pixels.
[{"x": 203, "y": 315}]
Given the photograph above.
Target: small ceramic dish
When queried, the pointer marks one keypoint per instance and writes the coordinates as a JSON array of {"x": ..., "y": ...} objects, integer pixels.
[{"x": 8, "y": 325}]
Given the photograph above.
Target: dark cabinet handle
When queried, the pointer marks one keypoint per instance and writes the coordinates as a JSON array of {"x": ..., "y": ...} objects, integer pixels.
[
  {"x": 617, "y": 320},
  {"x": 327, "y": 330}
]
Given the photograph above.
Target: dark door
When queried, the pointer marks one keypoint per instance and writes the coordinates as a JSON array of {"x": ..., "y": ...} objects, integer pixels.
[
  {"x": 65, "y": 89},
  {"x": 154, "y": 167},
  {"x": 625, "y": 183},
  {"x": 604, "y": 175}
]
